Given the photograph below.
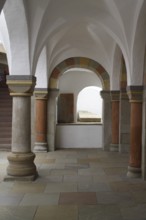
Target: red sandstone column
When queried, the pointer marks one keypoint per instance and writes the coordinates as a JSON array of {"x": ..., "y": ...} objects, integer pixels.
[
  {"x": 41, "y": 120},
  {"x": 135, "y": 95},
  {"x": 115, "y": 96}
]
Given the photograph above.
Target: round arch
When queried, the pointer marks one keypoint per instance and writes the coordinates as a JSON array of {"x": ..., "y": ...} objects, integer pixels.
[{"x": 80, "y": 62}]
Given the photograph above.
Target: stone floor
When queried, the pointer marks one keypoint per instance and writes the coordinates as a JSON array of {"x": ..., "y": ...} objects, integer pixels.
[{"x": 74, "y": 185}]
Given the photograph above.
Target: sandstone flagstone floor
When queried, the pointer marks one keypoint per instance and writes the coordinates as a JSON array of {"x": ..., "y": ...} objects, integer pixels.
[{"x": 75, "y": 184}]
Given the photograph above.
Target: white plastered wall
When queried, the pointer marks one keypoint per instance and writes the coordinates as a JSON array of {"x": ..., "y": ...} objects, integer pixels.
[
  {"x": 116, "y": 69},
  {"x": 17, "y": 37},
  {"x": 41, "y": 70}
]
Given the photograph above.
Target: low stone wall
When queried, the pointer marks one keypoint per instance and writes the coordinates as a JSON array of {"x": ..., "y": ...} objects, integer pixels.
[{"x": 79, "y": 135}]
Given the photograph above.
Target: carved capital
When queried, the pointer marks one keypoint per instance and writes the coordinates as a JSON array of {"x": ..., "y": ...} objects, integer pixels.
[
  {"x": 41, "y": 93},
  {"x": 115, "y": 95},
  {"x": 21, "y": 85},
  {"x": 123, "y": 94},
  {"x": 105, "y": 95},
  {"x": 135, "y": 93}
]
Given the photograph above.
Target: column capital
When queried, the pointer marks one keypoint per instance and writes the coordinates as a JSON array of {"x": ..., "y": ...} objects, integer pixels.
[
  {"x": 105, "y": 94},
  {"x": 41, "y": 93},
  {"x": 53, "y": 93},
  {"x": 21, "y": 85},
  {"x": 123, "y": 94},
  {"x": 115, "y": 95},
  {"x": 135, "y": 93}
]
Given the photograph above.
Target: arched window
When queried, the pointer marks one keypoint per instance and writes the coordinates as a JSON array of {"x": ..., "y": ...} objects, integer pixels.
[{"x": 89, "y": 105}]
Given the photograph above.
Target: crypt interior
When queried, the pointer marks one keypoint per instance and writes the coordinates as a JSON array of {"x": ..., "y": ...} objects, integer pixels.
[{"x": 72, "y": 109}]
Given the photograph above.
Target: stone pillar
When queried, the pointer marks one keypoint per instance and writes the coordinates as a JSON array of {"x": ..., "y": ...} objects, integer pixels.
[
  {"x": 41, "y": 120},
  {"x": 144, "y": 137},
  {"x": 21, "y": 159},
  {"x": 115, "y": 96},
  {"x": 124, "y": 129},
  {"x": 106, "y": 119},
  {"x": 136, "y": 96},
  {"x": 52, "y": 117}
]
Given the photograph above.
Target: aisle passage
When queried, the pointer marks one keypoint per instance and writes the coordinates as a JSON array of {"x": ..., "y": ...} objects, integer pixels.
[{"x": 74, "y": 185}]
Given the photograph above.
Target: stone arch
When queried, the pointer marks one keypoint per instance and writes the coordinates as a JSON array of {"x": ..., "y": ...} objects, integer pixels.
[{"x": 80, "y": 62}]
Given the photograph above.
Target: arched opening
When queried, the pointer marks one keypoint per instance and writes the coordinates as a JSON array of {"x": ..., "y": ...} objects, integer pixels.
[
  {"x": 70, "y": 84},
  {"x": 89, "y": 105},
  {"x": 74, "y": 84},
  {"x": 70, "y": 133}
]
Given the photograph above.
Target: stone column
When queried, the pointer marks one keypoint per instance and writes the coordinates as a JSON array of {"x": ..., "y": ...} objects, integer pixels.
[
  {"x": 124, "y": 129},
  {"x": 115, "y": 96},
  {"x": 144, "y": 137},
  {"x": 21, "y": 159},
  {"x": 52, "y": 117},
  {"x": 106, "y": 119},
  {"x": 41, "y": 120},
  {"x": 136, "y": 96}
]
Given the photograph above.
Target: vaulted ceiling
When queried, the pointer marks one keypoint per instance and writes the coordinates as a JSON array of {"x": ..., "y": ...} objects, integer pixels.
[{"x": 102, "y": 30}]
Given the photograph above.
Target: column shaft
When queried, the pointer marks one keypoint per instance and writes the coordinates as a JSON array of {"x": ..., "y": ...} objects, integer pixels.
[
  {"x": 52, "y": 114},
  {"x": 115, "y": 96},
  {"x": 144, "y": 136},
  {"x": 106, "y": 119},
  {"x": 124, "y": 129},
  {"x": 41, "y": 126},
  {"x": 135, "y": 96},
  {"x": 115, "y": 122},
  {"x": 136, "y": 132},
  {"x": 21, "y": 125},
  {"x": 41, "y": 120}
]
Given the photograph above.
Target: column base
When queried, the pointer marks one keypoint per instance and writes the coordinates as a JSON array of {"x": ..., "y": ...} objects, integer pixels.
[
  {"x": 114, "y": 147},
  {"x": 21, "y": 167},
  {"x": 134, "y": 172},
  {"x": 52, "y": 150},
  {"x": 143, "y": 172},
  {"x": 124, "y": 148},
  {"x": 40, "y": 147},
  {"x": 9, "y": 178}
]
